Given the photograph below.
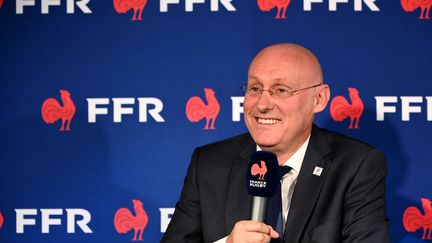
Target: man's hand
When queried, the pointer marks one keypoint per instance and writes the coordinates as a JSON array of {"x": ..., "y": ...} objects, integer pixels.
[{"x": 251, "y": 231}]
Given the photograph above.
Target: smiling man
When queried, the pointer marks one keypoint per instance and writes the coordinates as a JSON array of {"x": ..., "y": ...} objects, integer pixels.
[
  {"x": 334, "y": 190},
  {"x": 280, "y": 120}
]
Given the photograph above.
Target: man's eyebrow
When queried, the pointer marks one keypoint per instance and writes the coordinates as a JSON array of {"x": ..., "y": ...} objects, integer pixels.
[
  {"x": 282, "y": 82},
  {"x": 278, "y": 81},
  {"x": 254, "y": 80},
  {"x": 253, "y": 77}
]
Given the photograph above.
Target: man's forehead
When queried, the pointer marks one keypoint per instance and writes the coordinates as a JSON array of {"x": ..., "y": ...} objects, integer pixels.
[
  {"x": 291, "y": 69},
  {"x": 288, "y": 74}
]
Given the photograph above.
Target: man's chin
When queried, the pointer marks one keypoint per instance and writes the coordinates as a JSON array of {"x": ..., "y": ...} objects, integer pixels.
[{"x": 265, "y": 145}]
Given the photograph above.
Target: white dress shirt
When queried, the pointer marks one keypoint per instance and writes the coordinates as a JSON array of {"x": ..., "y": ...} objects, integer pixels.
[{"x": 289, "y": 180}]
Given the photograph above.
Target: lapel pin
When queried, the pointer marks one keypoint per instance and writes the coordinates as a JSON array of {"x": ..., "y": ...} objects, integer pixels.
[{"x": 317, "y": 171}]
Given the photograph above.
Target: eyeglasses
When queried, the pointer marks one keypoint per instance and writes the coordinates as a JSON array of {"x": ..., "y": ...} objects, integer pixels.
[{"x": 278, "y": 91}]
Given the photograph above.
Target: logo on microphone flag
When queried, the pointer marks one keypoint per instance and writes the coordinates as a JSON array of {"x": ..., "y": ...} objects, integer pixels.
[
  {"x": 256, "y": 169},
  {"x": 262, "y": 175}
]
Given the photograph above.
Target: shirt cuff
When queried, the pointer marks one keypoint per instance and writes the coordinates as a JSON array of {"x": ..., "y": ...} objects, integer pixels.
[{"x": 223, "y": 240}]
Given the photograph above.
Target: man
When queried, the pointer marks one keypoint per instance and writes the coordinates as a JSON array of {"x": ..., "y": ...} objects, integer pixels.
[{"x": 334, "y": 191}]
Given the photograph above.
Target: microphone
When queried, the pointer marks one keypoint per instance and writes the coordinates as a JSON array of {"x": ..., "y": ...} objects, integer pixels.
[{"x": 262, "y": 182}]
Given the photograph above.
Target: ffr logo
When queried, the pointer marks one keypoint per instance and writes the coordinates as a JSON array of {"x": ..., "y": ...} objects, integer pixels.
[
  {"x": 332, "y": 4},
  {"x": 46, "y": 4},
  {"x": 189, "y": 4},
  {"x": 409, "y": 105},
  {"x": 28, "y": 217},
  {"x": 281, "y": 6},
  {"x": 125, "y": 106}
]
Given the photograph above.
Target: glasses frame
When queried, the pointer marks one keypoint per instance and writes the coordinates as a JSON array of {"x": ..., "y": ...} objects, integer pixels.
[{"x": 272, "y": 93}]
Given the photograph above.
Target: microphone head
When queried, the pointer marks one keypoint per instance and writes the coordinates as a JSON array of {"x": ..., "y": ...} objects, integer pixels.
[{"x": 262, "y": 174}]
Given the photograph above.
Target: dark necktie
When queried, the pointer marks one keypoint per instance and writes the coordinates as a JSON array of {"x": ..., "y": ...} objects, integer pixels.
[{"x": 274, "y": 208}]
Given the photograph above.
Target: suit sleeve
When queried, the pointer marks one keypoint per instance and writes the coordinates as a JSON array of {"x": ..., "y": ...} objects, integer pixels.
[
  {"x": 185, "y": 225},
  {"x": 365, "y": 216}
]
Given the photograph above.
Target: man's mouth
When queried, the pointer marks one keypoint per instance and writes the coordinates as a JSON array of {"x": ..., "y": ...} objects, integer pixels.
[{"x": 267, "y": 121}]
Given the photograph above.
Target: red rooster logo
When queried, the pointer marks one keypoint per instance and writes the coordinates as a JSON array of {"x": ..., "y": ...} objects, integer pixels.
[
  {"x": 53, "y": 111},
  {"x": 122, "y": 6},
  {"x": 424, "y": 5},
  {"x": 196, "y": 109},
  {"x": 256, "y": 169},
  {"x": 124, "y": 220},
  {"x": 281, "y": 5},
  {"x": 413, "y": 219},
  {"x": 1, "y": 220},
  {"x": 340, "y": 108}
]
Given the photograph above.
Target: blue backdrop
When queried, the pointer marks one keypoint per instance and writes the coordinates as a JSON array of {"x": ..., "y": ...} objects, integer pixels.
[{"x": 98, "y": 54}]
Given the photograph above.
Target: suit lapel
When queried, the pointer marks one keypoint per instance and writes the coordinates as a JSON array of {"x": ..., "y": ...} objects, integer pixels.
[
  {"x": 238, "y": 200},
  {"x": 308, "y": 186}
]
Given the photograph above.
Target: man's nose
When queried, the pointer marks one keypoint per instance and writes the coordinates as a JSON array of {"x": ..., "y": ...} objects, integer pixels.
[{"x": 265, "y": 101}]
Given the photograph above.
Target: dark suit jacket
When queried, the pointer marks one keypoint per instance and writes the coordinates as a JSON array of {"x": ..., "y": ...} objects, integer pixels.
[{"x": 345, "y": 204}]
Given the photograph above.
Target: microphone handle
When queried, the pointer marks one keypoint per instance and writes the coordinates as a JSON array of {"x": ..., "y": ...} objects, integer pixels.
[{"x": 258, "y": 208}]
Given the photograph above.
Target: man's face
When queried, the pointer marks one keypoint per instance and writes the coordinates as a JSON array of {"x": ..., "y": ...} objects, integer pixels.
[{"x": 280, "y": 125}]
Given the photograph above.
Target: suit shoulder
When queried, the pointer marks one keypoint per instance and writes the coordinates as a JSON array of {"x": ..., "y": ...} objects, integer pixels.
[
  {"x": 340, "y": 141},
  {"x": 353, "y": 153},
  {"x": 229, "y": 143},
  {"x": 229, "y": 150}
]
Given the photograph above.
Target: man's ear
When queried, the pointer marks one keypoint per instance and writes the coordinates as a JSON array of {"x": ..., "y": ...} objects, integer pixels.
[{"x": 322, "y": 97}]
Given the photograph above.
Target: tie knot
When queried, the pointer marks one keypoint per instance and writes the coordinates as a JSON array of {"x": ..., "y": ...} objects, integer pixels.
[{"x": 283, "y": 170}]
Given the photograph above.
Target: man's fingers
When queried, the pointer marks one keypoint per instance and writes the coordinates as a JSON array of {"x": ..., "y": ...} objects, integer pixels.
[
  {"x": 273, "y": 233},
  {"x": 265, "y": 229},
  {"x": 259, "y": 227},
  {"x": 258, "y": 237},
  {"x": 254, "y": 226}
]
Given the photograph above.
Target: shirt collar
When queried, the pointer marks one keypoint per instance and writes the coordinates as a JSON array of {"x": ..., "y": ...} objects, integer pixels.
[{"x": 296, "y": 160}]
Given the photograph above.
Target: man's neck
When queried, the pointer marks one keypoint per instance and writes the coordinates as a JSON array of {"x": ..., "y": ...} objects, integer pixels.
[{"x": 284, "y": 154}]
